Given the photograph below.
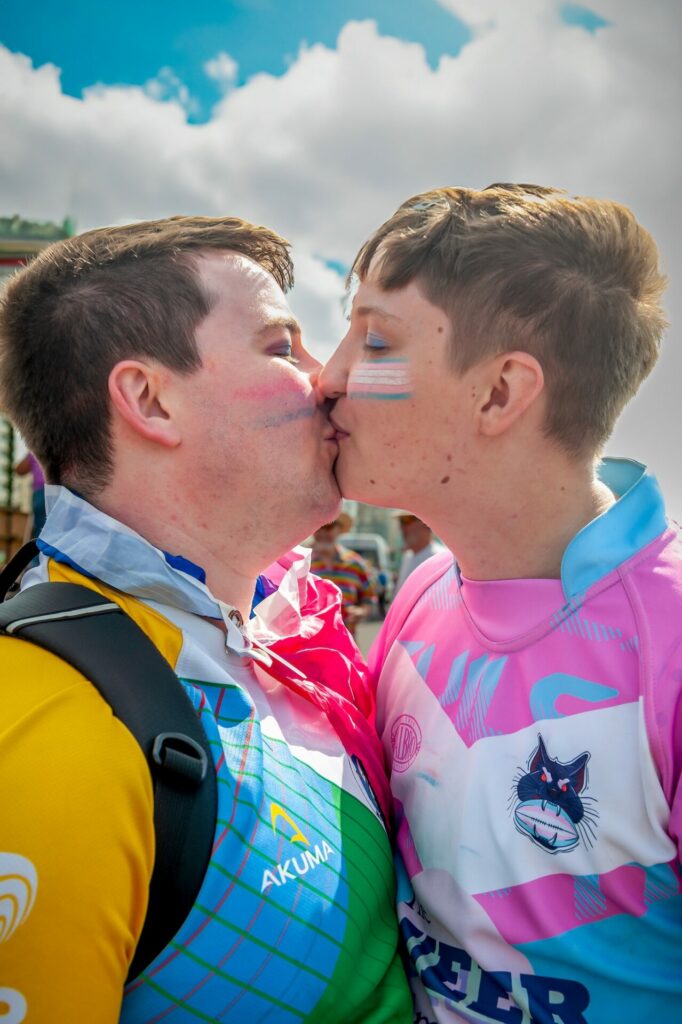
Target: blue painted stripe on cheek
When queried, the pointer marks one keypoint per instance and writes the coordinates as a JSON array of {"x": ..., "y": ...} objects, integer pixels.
[
  {"x": 380, "y": 397},
  {"x": 291, "y": 416}
]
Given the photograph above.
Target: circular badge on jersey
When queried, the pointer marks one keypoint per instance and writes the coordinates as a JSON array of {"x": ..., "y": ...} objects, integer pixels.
[{"x": 406, "y": 741}]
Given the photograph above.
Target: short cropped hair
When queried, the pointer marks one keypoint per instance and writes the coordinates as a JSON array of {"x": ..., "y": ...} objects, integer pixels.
[
  {"x": 84, "y": 304},
  {"x": 571, "y": 280}
]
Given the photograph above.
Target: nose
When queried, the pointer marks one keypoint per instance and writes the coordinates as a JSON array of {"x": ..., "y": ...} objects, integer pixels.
[
  {"x": 314, "y": 378},
  {"x": 332, "y": 378}
]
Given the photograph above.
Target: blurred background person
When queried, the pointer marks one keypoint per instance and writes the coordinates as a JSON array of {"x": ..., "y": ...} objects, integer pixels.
[
  {"x": 30, "y": 464},
  {"x": 349, "y": 570},
  {"x": 418, "y": 544}
]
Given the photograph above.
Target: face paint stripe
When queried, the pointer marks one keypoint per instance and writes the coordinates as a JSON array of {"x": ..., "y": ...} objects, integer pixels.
[
  {"x": 379, "y": 374},
  {"x": 379, "y": 395},
  {"x": 381, "y": 385},
  {"x": 306, "y": 412},
  {"x": 380, "y": 378},
  {"x": 371, "y": 382}
]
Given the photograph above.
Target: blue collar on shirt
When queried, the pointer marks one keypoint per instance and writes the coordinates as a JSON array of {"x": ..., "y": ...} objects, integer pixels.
[{"x": 636, "y": 519}]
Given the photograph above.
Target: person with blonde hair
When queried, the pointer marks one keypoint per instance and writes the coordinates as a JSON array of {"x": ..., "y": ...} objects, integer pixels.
[{"x": 529, "y": 689}]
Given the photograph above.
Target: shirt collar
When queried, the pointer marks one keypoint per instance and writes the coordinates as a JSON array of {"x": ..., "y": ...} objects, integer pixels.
[
  {"x": 632, "y": 522},
  {"x": 99, "y": 546}
]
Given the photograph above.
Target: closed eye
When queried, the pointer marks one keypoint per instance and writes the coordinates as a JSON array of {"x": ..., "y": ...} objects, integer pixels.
[
  {"x": 375, "y": 342},
  {"x": 285, "y": 351}
]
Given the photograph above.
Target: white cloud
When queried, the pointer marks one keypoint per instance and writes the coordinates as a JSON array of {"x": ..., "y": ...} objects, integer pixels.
[
  {"x": 326, "y": 151},
  {"x": 317, "y": 300},
  {"x": 222, "y": 69},
  {"x": 165, "y": 86}
]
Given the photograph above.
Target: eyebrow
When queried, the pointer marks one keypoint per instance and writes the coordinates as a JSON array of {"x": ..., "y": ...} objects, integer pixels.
[
  {"x": 375, "y": 311},
  {"x": 288, "y": 322}
]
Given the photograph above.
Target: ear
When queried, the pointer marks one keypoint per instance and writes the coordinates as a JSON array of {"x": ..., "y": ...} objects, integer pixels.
[
  {"x": 539, "y": 757},
  {"x": 577, "y": 771},
  {"x": 138, "y": 393},
  {"x": 513, "y": 381}
]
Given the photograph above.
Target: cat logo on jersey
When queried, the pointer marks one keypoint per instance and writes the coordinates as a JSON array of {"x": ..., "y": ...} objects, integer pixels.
[{"x": 547, "y": 804}]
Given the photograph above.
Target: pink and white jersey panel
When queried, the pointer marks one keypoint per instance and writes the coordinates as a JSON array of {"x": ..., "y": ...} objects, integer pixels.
[{"x": 534, "y": 733}]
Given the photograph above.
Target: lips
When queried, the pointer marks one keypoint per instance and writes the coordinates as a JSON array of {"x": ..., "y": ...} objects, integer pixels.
[{"x": 339, "y": 432}]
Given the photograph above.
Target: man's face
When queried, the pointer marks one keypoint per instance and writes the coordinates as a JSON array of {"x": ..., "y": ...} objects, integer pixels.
[
  {"x": 253, "y": 427},
  {"x": 406, "y": 412}
]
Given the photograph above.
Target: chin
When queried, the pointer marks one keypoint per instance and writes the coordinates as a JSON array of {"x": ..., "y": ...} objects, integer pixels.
[
  {"x": 355, "y": 481},
  {"x": 366, "y": 488},
  {"x": 321, "y": 504}
]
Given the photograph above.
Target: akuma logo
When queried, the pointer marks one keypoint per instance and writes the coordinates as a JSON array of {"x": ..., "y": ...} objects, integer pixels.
[
  {"x": 277, "y": 812},
  {"x": 293, "y": 867}
]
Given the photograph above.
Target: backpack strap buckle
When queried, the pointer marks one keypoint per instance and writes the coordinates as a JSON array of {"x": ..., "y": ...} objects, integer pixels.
[{"x": 180, "y": 755}]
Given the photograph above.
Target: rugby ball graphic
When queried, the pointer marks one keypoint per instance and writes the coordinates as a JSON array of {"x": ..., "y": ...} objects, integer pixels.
[{"x": 546, "y": 824}]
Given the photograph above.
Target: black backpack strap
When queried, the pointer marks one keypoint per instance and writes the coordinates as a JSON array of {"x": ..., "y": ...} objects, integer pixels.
[
  {"x": 104, "y": 644},
  {"x": 16, "y": 565}
]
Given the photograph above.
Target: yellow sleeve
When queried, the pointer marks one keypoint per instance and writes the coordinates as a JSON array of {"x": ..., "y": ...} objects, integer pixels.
[{"x": 76, "y": 843}]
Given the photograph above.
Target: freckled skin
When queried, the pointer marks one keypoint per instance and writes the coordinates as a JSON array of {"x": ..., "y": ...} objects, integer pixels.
[{"x": 426, "y": 429}]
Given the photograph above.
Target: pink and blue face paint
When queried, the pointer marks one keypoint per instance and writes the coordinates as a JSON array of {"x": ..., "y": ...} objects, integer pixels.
[
  {"x": 383, "y": 377},
  {"x": 285, "y": 401}
]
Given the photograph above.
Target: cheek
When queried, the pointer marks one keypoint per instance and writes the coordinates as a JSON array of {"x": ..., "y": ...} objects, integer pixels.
[
  {"x": 276, "y": 405},
  {"x": 379, "y": 380},
  {"x": 286, "y": 388}
]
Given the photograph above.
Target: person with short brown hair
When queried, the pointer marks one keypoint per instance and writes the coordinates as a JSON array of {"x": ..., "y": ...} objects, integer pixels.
[
  {"x": 159, "y": 374},
  {"x": 418, "y": 545},
  {"x": 529, "y": 691},
  {"x": 572, "y": 280},
  {"x": 106, "y": 295}
]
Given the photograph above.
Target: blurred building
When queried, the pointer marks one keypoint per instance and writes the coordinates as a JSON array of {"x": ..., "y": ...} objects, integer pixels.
[{"x": 20, "y": 241}]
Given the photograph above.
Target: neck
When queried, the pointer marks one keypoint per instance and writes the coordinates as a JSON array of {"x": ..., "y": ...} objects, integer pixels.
[
  {"x": 231, "y": 563},
  {"x": 521, "y": 527}
]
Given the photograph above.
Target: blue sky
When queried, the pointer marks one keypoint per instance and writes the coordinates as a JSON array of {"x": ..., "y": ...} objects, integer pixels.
[{"x": 129, "y": 42}]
